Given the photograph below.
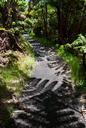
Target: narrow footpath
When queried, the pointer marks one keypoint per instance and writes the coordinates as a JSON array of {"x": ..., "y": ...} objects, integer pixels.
[{"x": 49, "y": 99}]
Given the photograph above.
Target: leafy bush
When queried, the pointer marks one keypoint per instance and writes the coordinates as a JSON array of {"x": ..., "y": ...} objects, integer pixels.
[
  {"x": 78, "y": 72},
  {"x": 80, "y": 41},
  {"x": 78, "y": 45}
]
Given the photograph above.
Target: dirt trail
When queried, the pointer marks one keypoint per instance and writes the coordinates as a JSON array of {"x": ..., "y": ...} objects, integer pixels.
[{"x": 48, "y": 100}]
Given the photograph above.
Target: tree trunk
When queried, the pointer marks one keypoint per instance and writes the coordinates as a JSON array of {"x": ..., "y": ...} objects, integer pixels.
[
  {"x": 46, "y": 23},
  {"x": 44, "y": 15},
  {"x": 62, "y": 25}
]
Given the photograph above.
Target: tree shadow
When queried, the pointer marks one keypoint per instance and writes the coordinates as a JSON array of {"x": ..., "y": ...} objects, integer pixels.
[
  {"x": 4, "y": 113},
  {"x": 5, "y": 94},
  {"x": 82, "y": 72}
]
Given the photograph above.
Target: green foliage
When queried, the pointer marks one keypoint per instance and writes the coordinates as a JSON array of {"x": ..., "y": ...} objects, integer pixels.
[
  {"x": 80, "y": 41},
  {"x": 19, "y": 68},
  {"x": 27, "y": 48},
  {"x": 22, "y": 4},
  {"x": 78, "y": 45},
  {"x": 45, "y": 42},
  {"x": 78, "y": 72},
  {"x": 17, "y": 72},
  {"x": 2, "y": 2},
  {"x": 40, "y": 18},
  {"x": 65, "y": 22},
  {"x": 13, "y": 78}
]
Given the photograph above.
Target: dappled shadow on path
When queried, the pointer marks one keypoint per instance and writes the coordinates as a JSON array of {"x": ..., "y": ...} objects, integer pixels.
[
  {"x": 48, "y": 98},
  {"x": 48, "y": 109}
]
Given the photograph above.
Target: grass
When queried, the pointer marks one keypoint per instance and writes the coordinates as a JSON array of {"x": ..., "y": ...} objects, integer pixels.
[
  {"x": 78, "y": 71},
  {"x": 5, "y": 94},
  {"x": 14, "y": 76},
  {"x": 17, "y": 72},
  {"x": 19, "y": 68}
]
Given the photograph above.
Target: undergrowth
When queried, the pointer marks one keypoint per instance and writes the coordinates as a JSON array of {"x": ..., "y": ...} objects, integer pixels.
[
  {"x": 45, "y": 41},
  {"x": 15, "y": 74},
  {"x": 13, "y": 77},
  {"x": 78, "y": 71}
]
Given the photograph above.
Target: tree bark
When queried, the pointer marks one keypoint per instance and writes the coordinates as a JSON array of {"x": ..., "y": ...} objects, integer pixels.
[
  {"x": 62, "y": 26},
  {"x": 44, "y": 13}
]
